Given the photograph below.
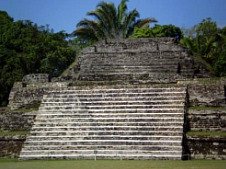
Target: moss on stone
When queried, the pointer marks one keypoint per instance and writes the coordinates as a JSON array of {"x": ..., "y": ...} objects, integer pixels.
[
  {"x": 10, "y": 133},
  {"x": 29, "y": 108},
  {"x": 204, "y": 134}
]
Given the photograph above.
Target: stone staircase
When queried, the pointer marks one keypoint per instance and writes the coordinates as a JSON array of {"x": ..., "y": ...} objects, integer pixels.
[
  {"x": 148, "y": 66},
  {"x": 108, "y": 122},
  {"x": 156, "y": 60}
]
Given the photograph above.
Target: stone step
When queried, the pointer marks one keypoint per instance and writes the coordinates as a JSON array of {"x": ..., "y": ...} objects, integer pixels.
[
  {"x": 49, "y": 115},
  {"x": 95, "y": 108},
  {"x": 97, "y": 152},
  {"x": 106, "y": 128},
  {"x": 151, "y": 77},
  {"x": 117, "y": 95},
  {"x": 76, "y": 110},
  {"x": 140, "y": 59},
  {"x": 104, "y": 116},
  {"x": 115, "y": 92},
  {"x": 155, "y": 64},
  {"x": 137, "y": 54},
  {"x": 73, "y": 90},
  {"x": 134, "y": 72},
  {"x": 154, "y": 147},
  {"x": 102, "y": 137},
  {"x": 134, "y": 66},
  {"x": 102, "y": 142},
  {"x": 103, "y": 156},
  {"x": 108, "y": 132},
  {"x": 98, "y": 123},
  {"x": 118, "y": 89},
  {"x": 109, "y": 119},
  {"x": 69, "y": 98},
  {"x": 148, "y": 66},
  {"x": 112, "y": 102}
]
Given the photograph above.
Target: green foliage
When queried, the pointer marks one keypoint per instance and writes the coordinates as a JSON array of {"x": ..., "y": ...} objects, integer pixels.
[
  {"x": 110, "y": 22},
  {"x": 220, "y": 65},
  {"x": 158, "y": 31},
  {"x": 206, "y": 43},
  {"x": 142, "y": 33},
  {"x": 26, "y": 48}
]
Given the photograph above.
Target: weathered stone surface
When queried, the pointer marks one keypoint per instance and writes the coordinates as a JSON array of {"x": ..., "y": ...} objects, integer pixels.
[
  {"x": 16, "y": 121},
  {"x": 35, "y": 78},
  {"x": 30, "y": 94},
  {"x": 134, "y": 59},
  {"x": 207, "y": 119},
  {"x": 208, "y": 92},
  {"x": 207, "y": 148},
  {"x": 11, "y": 146},
  {"x": 108, "y": 122},
  {"x": 131, "y": 61}
]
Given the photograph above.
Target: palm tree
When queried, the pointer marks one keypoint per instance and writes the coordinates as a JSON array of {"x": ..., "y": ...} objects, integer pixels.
[{"x": 110, "y": 22}]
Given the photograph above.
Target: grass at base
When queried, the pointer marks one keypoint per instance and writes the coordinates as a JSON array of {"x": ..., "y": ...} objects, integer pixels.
[{"x": 112, "y": 164}]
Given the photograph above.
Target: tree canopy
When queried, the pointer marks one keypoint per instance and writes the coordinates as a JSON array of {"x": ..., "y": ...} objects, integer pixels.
[
  {"x": 158, "y": 31},
  {"x": 27, "y": 48},
  {"x": 110, "y": 22},
  {"x": 206, "y": 43}
]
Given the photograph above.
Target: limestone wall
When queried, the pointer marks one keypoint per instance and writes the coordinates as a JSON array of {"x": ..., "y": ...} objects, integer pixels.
[
  {"x": 35, "y": 78},
  {"x": 155, "y": 59},
  {"x": 134, "y": 45},
  {"x": 11, "y": 146},
  {"x": 22, "y": 96},
  {"x": 207, "y": 119},
  {"x": 207, "y": 112},
  {"x": 207, "y": 92},
  {"x": 16, "y": 121},
  {"x": 13, "y": 127},
  {"x": 207, "y": 104},
  {"x": 207, "y": 148}
]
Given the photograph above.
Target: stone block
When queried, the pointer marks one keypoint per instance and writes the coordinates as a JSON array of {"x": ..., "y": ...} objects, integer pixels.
[{"x": 35, "y": 78}]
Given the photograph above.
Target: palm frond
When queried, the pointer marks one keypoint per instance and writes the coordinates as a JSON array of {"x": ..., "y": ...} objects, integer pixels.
[
  {"x": 122, "y": 8},
  {"x": 92, "y": 25},
  {"x": 110, "y": 22},
  {"x": 129, "y": 21},
  {"x": 85, "y": 34},
  {"x": 144, "y": 22}
]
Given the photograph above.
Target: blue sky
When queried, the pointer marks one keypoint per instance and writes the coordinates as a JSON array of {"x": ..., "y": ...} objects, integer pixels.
[{"x": 64, "y": 14}]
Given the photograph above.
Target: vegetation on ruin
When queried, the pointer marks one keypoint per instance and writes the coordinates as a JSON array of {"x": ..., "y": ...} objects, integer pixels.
[
  {"x": 112, "y": 164},
  {"x": 207, "y": 134},
  {"x": 158, "y": 31},
  {"x": 207, "y": 43},
  {"x": 11, "y": 133}
]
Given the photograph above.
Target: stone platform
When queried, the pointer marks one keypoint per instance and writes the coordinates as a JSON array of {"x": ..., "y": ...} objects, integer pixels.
[{"x": 109, "y": 122}]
